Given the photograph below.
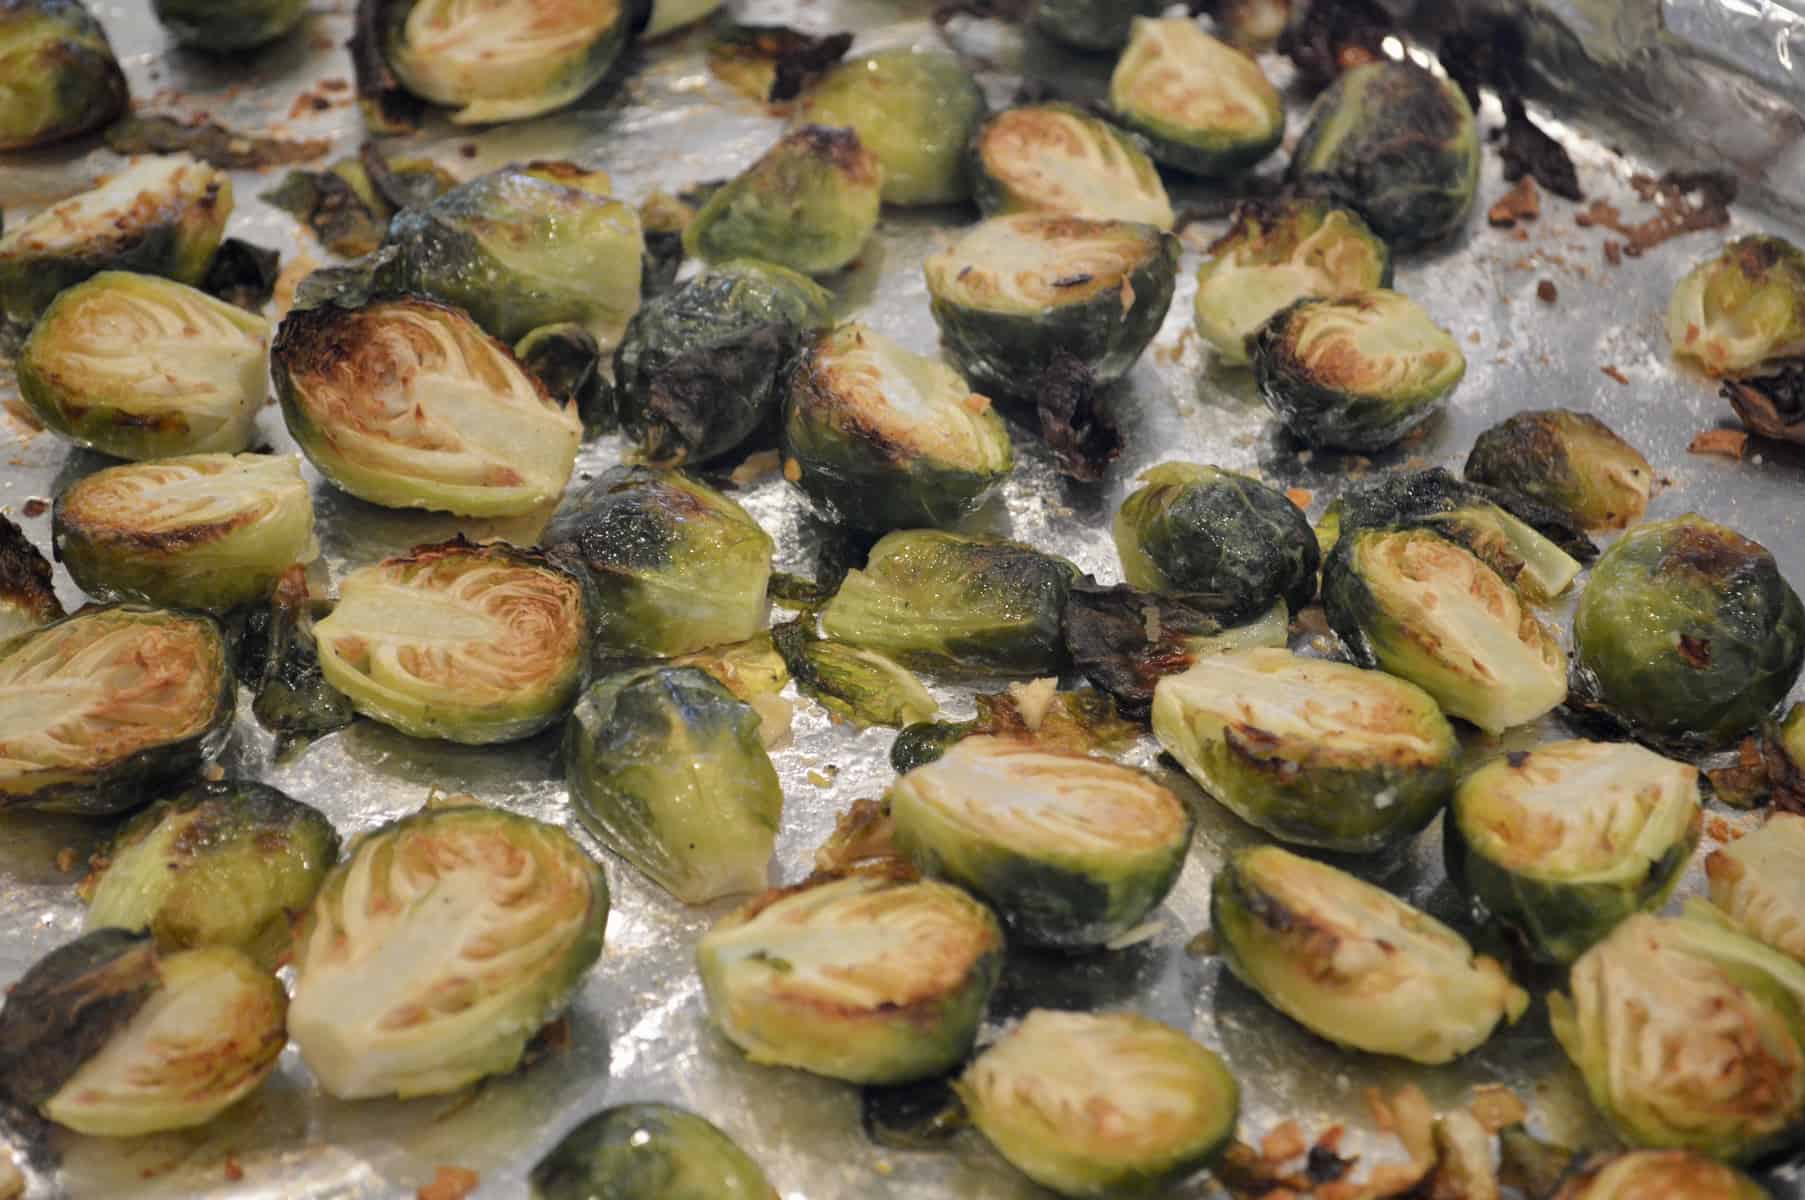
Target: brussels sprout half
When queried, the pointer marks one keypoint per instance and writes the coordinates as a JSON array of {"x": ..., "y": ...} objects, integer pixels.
[
  {"x": 161, "y": 216},
  {"x": 667, "y": 769},
  {"x": 863, "y": 978},
  {"x": 1397, "y": 145},
  {"x": 1759, "y": 882},
  {"x": 1353, "y": 963},
  {"x": 1058, "y": 158},
  {"x": 1088, "y": 25},
  {"x": 1072, "y": 851},
  {"x": 808, "y": 204},
  {"x": 406, "y": 402},
  {"x": 98, "y": 707},
  {"x": 1687, "y": 633},
  {"x": 62, "y": 79},
  {"x": 1562, "y": 842},
  {"x": 647, "y": 1152},
  {"x": 437, "y": 950},
  {"x": 914, "y": 110},
  {"x": 1317, "y": 753},
  {"x": 1743, "y": 309},
  {"x": 886, "y": 439},
  {"x": 1657, "y": 1175},
  {"x": 1101, "y": 1104},
  {"x": 1014, "y": 293},
  {"x": 27, "y": 591},
  {"x": 223, "y": 25},
  {"x": 1569, "y": 460},
  {"x": 1203, "y": 106}
]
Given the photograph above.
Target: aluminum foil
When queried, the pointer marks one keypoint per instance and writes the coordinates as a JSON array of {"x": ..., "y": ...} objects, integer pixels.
[{"x": 638, "y": 1028}]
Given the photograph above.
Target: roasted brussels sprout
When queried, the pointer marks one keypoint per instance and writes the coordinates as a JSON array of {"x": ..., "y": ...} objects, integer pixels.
[
  {"x": 666, "y": 768},
  {"x": 883, "y": 438},
  {"x": 225, "y": 25},
  {"x": 1072, "y": 851},
  {"x": 221, "y": 864},
  {"x": 62, "y": 79},
  {"x": 1742, "y": 310},
  {"x": 700, "y": 368},
  {"x": 1014, "y": 293},
  {"x": 161, "y": 216},
  {"x": 1317, "y": 753},
  {"x": 678, "y": 566},
  {"x": 1427, "y": 609},
  {"x": 1562, "y": 842},
  {"x": 27, "y": 593},
  {"x": 914, "y": 110},
  {"x": 861, "y": 686},
  {"x": 98, "y": 707},
  {"x": 1397, "y": 145},
  {"x": 437, "y": 950},
  {"x": 647, "y": 1152},
  {"x": 1058, "y": 158},
  {"x": 808, "y": 204},
  {"x": 955, "y": 603},
  {"x": 140, "y": 367},
  {"x": 1088, "y": 25},
  {"x": 864, "y": 978},
  {"x": 1657, "y": 1175},
  {"x": 1356, "y": 373},
  {"x": 405, "y": 402},
  {"x": 1276, "y": 254},
  {"x": 1353, "y": 963},
  {"x": 1687, "y": 633},
  {"x": 1203, "y": 106},
  {"x": 1125, "y": 641},
  {"x": 1569, "y": 460},
  {"x": 1758, "y": 881},
  {"x": 1689, "y": 1036}
]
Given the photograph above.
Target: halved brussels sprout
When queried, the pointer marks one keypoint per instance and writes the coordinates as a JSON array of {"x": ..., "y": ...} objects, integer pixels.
[
  {"x": 808, "y": 204},
  {"x": 97, "y": 708},
  {"x": 914, "y": 110},
  {"x": 1562, "y": 842},
  {"x": 62, "y": 79},
  {"x": 647, "y": 1152},
  {"x": 950, "y": 602},
  {"x": 1058, "y": 158},
  {"x": 1569, "y": 460},
  {"x": 1125, "y": 641},
  {"x": 1743, "y": 309},
  {"x": 27, "y": 592},
  {"x": 207, "y": 531},
  {"x": 1427, "y": 609},
  {"x": 1318, "y": 753},
  {"x": 1687, "y": 633},
  {"x": 223, "y": 25},
  {"x": 863, "y": 977},
  {"x": 678, "y": 566},
  {"x": 222, "y": 864},
  {"x": 1353, "y": 963},
  {"x": 1101, "y": 1104},
  {"x": 1689, "y": 1036},
  {"x": 1089, "y": 25},
  {"x": 1758, "y": 880},
  {"x": 439, "y": 948},
  {"x": 473, "y": 644},
  {"x": 1276, "y": 254},
  {"x": 887, "y": 439},
  {"x": 160, "y": 216},
  {"x": 406, "y": 402},
  {"x": 1203, "y": 106},
  {"x": 1072, "y": 851},
  {"x": 1357, "y": 373},
  {"x": 1203, "y": 529},
  {"x": 1014, "y": 293},
  {"x": 666, "y": 768},
  {"x": 1657, "y": 1175},
  {"x": 1397, "y": 145},
  {"x": 861, "y": 686},
  {"x": 140, "y": 367}
]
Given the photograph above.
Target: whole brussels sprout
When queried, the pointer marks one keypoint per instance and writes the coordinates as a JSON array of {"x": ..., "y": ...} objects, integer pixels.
[
  {"x": 1203, "y": 106},
  {"x": 1357, "y": 373},
  {"x": 886, "y": 439},
  {"x": 97, "y": 708},
  {"x": 950, "y": 602},
  {"x": 857, "y": 685},
  {"x": 1742, "y": 310},
  {"x": 647, "y": 1152},
  {"x": 1757, "y": 881},
  {"x": 1317, "y": 753},
  {"x": 62, "y": 78},
  {"x": 1088, "y": 25},
  {"x": 1427, "y": 609},
  {"x": 225, "y": 25},
  {"x": 1203, "y": 529},
  {"x": 809, "y": 204},
  {"x": 1015, "y": 293},
  {"x": 163, "y": 215},
  {"x": 1657, "y": 1174},
  {"x": 221, "y": 864},
  {"x": 1569, "y": 460},
  {"x": 407, "y": 403},
  {"x": 1353, "y": 963},
  {"x": 401, "y": 983},
  {"x": 27, "y": 592},
  {"x": 914, "y": 110},
  {"x": 677, "y": 566},
  {"x": 1562, "y": 842},
  {"x": 860, "y": 977},
  {"x": 1039, "y": 1092},
  {"x": 1687, "y": 633},
  {"x": 1397, "y": 145},
  {"x": 666, "y": 768},
  {"x": 1125, "y": 641},
  {"x": 1058, "y": 158}
]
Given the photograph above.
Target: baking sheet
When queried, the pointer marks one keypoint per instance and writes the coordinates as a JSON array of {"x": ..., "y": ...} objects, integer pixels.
[{"x": 638, "y": 1028}]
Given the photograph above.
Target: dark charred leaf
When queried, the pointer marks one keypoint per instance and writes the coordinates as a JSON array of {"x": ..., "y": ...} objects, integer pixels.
[
  {"x": 1335, "y": 36},
  {"x": 863, "y": 834},
  {"x": 346, "y": 221},
  {"x": 773, "y": 62},
  {"x": 564, "y": 357},
  {"x": 404, "y": 183},
  {"x": 243, "y": 274},
  {"x": 662, "y": 218},
  {"x": 682, "y": 400},
  {"x": 388, "y": 108},
  {"x": 1125, "y": 641},
  {"x": 1075, "y": 419},
  {"x": 796, "y": 593},
  {"x": 924, "y": 742},
  {"x": 294, "y": 701},
  {"x": 1529, "y": 150},
  {"x": 1409, "y": 498},
  {"x": 913, "y": 1116},
  {"x": 1530, "y": 1165},
  {"x": 350, "y": 286},
  {"x": 1772, "y": 405},
  {"x": 210, "y": 142},
  {"x": 68, "y": 1006},
  {"x": 27, "y": 590},
  {"x": 1743, "y": 783},
  {"x": 1485, "y": 53}
]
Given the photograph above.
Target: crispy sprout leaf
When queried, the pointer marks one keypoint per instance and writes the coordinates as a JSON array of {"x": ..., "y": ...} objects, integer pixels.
[
  {"x": 773, "y": 62},
  {"x": 209, "y": 141}
]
